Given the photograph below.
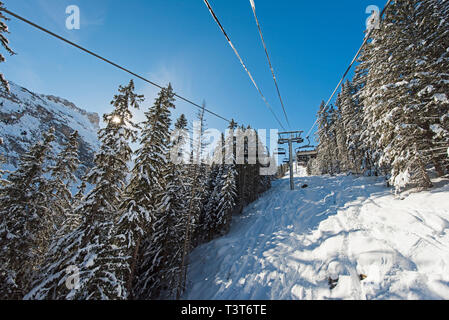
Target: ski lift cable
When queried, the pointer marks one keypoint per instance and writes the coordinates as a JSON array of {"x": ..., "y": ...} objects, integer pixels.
[
  {"x": 109, "y": 62},
  {"x": 350, "y": 66},
  {"x": 214, "y": 16},
  {"x": 253, "y": 6}
]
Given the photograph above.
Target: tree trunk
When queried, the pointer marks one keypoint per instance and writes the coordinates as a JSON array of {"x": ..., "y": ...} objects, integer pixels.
[{"x": 129, "y": 285}]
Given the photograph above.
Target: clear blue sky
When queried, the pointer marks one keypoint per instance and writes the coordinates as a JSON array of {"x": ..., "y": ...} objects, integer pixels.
[{"x": 311, "y": 43}]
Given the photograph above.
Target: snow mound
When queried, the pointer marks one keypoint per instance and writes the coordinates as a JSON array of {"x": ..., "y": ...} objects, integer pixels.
[{"x": 289, "y": 244}]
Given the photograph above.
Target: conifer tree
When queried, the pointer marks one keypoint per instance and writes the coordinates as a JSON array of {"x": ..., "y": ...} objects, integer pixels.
[
  {"x": 400, "y": 104},
  {"x": 394, "y": 121},
  {"x": 143, "y": 220},
  {"x": 73, "y": 218},
  {"x": 325, "y": 151},
  {"x": 346, "y": 139},
  {"x": 5, "y": 44},
  {"x": 362, "y": 148},
  {"x": 226, "y": 204},
  {"x": 232, "y": 125},
  {"x": 239, "y": 149},
  {"x": 95, "y": 249},
  {"x": 195, "y": 187},
  {"x": 351, "y": 114},
  {"x": 179, "y": 151},
  {"x": 337, "y": 140},
  {"x": 172, "y": 223},
  {"x": 313, "y": 167},
  {"x": 208, "y": 227},
  {"x": 62, "y": 179},
  {"x": 181, "y": 123},
  {"x": 406, "y": 113},
  {"x": 219, "y": 208},
  {"x": 431, "y": 80},
  {"x": 25, "y": 224},
  {"x": 3, "y": 181}
]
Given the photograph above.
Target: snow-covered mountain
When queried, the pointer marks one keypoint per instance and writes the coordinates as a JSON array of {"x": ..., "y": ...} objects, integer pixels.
[{"x": 25, "y": 115}]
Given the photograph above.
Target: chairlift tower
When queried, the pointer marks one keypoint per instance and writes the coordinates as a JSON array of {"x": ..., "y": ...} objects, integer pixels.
[{"x": 290, "y": 137}]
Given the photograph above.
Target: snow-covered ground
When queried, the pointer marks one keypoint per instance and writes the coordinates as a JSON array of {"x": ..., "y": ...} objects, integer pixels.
[{"x": 287, "y": 244}]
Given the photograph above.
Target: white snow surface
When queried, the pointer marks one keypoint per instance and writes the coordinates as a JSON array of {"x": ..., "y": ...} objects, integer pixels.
[
  {"x": 441, "y": 97},
  {"x": 287, "y": 244}
]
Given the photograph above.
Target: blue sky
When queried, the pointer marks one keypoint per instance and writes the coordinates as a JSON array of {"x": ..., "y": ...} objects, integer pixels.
[{"x": 310, "y": 42}]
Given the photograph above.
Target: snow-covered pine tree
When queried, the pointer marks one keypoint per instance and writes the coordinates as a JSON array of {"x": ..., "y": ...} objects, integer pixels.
[
  {"x": 445, "y": 134},
  {"x": 337, "y": 140},
  {"x": 313, "y": 167},
  {"x": 363, "y": 152},
  {"x": 181, "y": 123},
  {"x": 326, "y": 148},
  {"x": 431, "y": 79},
  {"x": 93, "y": 252},
  {"x": 143, "y": 223},
  {"x": 345, "y": 129},
  {"x": 74, "y": 219},
  {"x": 404, "y": 93},
  {"x": 62, "y": 180},
  {"x": 227, "y": 194},
  {"x": 227, "y": 201},
  {"x": 181, "y": 147},
  {"x": 25, "y": 221},
  {"x": 201, "y": 169},
  {"x": 196, "y": 190},
  {"x": 244, "y": 143},
  {"x": 376, "y": 79},
  {"x": 252, "y": 177},
  {"x": 239, "y": 149},
  {"x": 351, "y": 114},
  {"x": 3, "y": 181},
  {"x": 405, "y": 150},
  {"x": 232, "y": 125},
  {"x": 321, "y": 139},
  {"x": 174, "y": 212},
  {"x": 205, "y": 228},
  {"x": 209, "y": 224},
  {"x": 264, "y": 180},
  {"x": 5, "y": 44}
]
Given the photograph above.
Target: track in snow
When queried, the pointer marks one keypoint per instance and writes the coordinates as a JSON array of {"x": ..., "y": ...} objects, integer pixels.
[{"x": 288, "y": 243}]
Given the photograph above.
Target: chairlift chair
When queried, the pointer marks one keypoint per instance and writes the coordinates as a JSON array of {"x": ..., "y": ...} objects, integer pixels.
[
  {"x": 309, "y": 145},
  {"x": 280, "y": 151},
  {"x": 294, "y": 136}
]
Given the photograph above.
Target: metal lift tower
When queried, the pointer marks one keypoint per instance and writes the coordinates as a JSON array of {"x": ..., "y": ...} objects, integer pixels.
[{"x": 290, "y": 138}]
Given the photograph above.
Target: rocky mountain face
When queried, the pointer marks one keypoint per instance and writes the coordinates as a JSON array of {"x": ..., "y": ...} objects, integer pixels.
[{"x": 25, "y": 115}]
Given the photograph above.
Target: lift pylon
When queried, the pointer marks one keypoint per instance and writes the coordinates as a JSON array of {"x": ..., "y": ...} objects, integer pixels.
[{"x": 289, "y": 138}]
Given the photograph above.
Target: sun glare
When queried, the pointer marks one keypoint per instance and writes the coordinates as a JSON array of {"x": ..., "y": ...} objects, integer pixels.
[{"x": 116, "y": 120}]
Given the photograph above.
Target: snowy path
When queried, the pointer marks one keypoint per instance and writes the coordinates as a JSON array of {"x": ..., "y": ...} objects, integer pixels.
[{"x": 288, "y": 243}]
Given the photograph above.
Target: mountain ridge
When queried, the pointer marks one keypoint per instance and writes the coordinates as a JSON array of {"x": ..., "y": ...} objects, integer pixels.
[{"x": 24, "y": 115}]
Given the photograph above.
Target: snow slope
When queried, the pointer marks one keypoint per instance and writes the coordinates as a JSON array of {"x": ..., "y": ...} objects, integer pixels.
[{"x": 287, "y": 244}]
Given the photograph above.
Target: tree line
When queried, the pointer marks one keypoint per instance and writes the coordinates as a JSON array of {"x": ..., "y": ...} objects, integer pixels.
[
  {"x": 392, "y": 118},
  {"x": 127, "y": 232}
]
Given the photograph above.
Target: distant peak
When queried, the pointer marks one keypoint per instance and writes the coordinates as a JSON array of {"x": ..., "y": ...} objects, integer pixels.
[{"x": 93, "y": 117}]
